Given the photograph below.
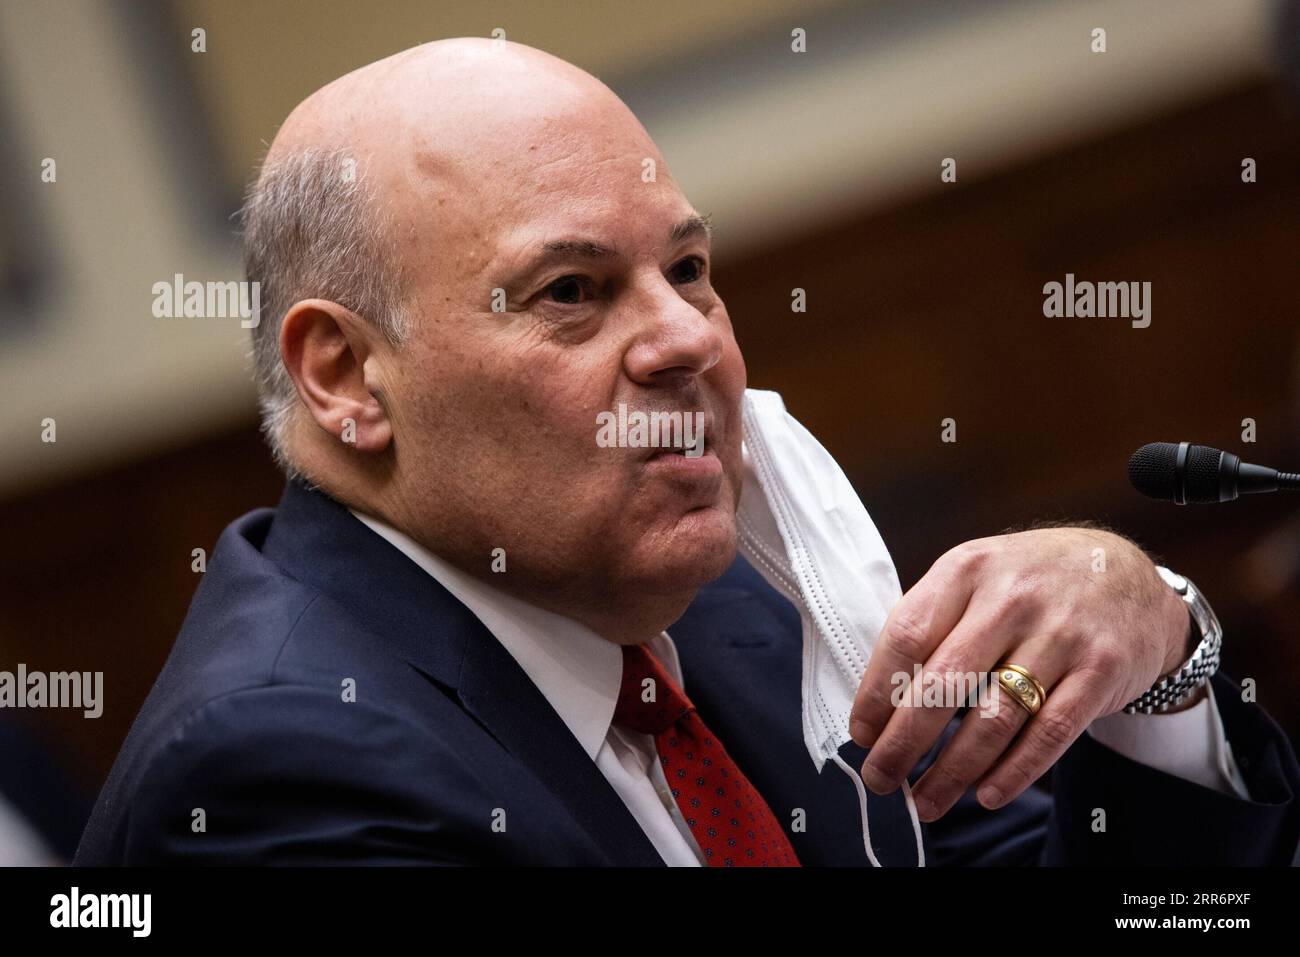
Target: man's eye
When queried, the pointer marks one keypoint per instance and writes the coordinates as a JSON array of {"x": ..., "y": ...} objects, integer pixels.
[
  {"x": 567, "y": 290},
  {"x": 688, "y": 270}
]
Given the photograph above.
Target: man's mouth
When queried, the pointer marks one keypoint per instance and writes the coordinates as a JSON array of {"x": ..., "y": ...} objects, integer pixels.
[
  {"x": 697, "y": 467},
  {"x": 699, "y": 445},
  {"x": 680, "y": 453},
  {"x": 700, "y": 449}
]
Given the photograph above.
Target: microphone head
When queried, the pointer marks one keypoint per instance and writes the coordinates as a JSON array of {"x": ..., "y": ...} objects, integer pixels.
[
  {"x": 1152, "y": 470},
  {"x": 1196, "y": 476}
]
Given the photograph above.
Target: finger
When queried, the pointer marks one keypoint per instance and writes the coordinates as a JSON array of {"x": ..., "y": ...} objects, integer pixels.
[
  {"x": 916, "y": 625},
  {"x": 986, "y": 732},
  {"x": 924, "y": 708},
  {"x": 1069, "y": 709}
]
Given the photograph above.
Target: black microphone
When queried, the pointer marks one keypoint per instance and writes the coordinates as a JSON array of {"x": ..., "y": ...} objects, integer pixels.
[{"x": 1186, "y": 473}]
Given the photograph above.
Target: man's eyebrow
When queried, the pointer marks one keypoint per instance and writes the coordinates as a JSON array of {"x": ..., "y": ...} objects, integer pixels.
[
  {"x": 691, "y": 227},
  {"x": 577, "y": 247},
  {"x": 688, "y": 228}
]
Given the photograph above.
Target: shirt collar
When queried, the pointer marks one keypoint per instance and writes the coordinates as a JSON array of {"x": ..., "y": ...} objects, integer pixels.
[{"x": 577, "y": 671}]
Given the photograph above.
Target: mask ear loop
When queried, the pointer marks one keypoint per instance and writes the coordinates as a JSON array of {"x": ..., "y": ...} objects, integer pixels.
[
  {"x": 758, "y": 458},
  {"x": 866, "y": 827}
]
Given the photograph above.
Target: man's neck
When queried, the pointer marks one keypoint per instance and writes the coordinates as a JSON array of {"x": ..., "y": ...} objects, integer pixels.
[{"x": 619, "y": 624}]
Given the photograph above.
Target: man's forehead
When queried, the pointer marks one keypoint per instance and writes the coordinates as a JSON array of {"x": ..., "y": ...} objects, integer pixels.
[{"x": 521, "y": 181}]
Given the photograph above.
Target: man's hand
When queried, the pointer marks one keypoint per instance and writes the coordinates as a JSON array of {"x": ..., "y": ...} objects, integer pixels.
[{"x": 1083, "y": 610}]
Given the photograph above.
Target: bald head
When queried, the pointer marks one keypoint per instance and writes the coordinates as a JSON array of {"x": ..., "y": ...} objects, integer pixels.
[
  {"x": 464, "y": 95},
  {"x": 473, "y": 249},
  {"x": 460, "y": 116}
]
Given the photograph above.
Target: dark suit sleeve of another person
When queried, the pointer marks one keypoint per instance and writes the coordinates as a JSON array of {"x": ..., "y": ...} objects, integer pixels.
[
  {"x": 281, "y": 776},
  {"x": 1105, "y": 809}
]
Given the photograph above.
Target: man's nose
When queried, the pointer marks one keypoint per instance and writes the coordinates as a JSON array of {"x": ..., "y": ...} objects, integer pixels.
[{"x": 674, "y": 339}]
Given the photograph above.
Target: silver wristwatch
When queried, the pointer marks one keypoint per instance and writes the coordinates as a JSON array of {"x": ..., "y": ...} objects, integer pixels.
[{"x": 1196, "y": 670}]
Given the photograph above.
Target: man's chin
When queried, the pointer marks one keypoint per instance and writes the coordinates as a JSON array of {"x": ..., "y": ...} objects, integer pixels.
[{"x": 699, "y": 550}]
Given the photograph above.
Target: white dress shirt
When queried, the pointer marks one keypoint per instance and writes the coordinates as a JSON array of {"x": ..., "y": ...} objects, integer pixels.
[{"x": 579, "y": 673}]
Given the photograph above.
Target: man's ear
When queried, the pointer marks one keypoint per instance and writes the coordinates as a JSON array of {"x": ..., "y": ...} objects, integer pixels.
[{"x": 324, "y": 347}]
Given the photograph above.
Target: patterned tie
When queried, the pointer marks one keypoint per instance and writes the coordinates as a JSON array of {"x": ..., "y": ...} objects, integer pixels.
[{"x": 728, "y": 818}]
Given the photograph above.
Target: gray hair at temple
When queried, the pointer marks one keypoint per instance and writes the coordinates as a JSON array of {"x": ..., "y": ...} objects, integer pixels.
[{"x": 312, "y": 230}]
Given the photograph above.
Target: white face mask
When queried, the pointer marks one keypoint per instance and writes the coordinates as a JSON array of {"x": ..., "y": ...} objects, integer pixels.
[{"x": 803, "y": 527}]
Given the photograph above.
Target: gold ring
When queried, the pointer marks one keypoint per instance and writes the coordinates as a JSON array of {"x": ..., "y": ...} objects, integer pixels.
[{"x": 1022, "y": 686}]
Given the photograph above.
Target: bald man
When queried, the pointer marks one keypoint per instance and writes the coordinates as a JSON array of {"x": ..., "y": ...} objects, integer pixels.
[{"x": 449, "y": 643}]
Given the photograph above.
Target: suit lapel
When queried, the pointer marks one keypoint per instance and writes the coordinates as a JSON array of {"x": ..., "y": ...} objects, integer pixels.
[
  {"x": 497, "y": 691},
  {"x": 318, "y": 542}
]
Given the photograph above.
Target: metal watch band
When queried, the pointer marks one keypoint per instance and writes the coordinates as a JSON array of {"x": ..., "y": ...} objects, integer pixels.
[{"x": 1196, "y": 670}]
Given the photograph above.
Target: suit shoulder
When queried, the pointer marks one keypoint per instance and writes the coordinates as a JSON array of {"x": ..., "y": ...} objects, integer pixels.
[{"x": 301, "y": 774}]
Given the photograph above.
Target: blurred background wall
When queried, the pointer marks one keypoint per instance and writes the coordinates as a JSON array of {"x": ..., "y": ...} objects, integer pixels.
[{"x": 822, "y": 172}]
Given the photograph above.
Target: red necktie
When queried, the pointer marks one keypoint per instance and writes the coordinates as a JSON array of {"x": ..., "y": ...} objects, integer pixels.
[{"x": 728, "y": 818}]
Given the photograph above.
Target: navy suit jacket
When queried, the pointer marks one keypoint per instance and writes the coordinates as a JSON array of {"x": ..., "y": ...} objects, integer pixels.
[{"x": 246, "y": 750}]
